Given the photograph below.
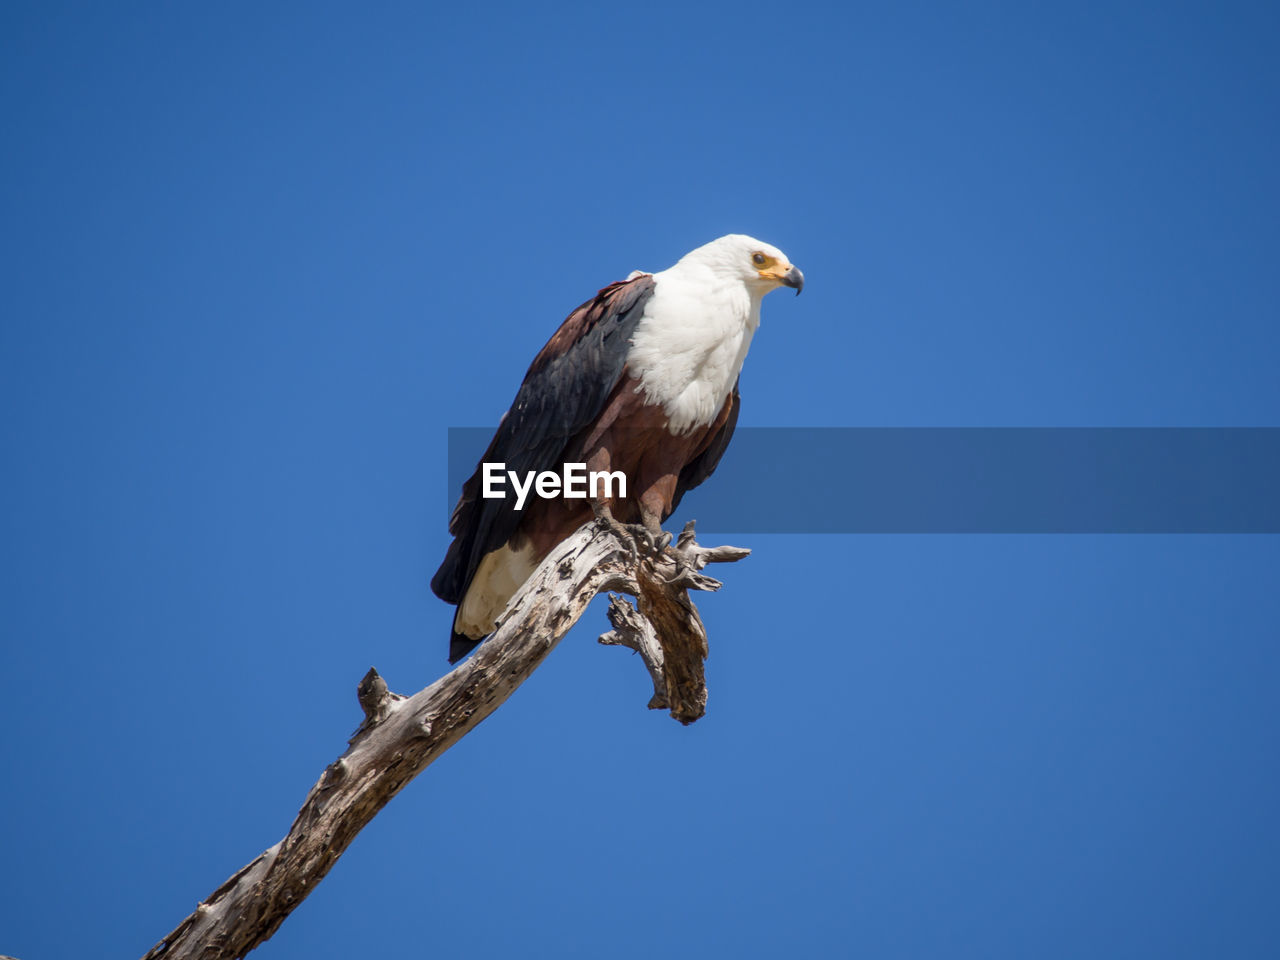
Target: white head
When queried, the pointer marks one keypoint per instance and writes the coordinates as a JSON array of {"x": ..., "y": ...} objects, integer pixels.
[{"x": 760, "y": 266}]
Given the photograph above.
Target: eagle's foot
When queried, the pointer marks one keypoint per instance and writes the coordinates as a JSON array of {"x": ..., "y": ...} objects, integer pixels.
[
  {"x": 620, "y": 531},
  {"x": 655, "y": 541},
  {"x": 642, "y": 540},
  {"x": 651, "y": 543},
  {"x": 634, "y": 536}
]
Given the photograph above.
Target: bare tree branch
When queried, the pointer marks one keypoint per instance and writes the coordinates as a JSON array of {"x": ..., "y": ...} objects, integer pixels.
[
  {"x": 634, "y": 631},
  {"x": 400, "y": 736}
]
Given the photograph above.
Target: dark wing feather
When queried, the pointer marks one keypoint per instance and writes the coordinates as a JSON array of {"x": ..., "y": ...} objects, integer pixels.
[
  {"x": 705, "y": 463},
  {"x": 565, "y": 389}
]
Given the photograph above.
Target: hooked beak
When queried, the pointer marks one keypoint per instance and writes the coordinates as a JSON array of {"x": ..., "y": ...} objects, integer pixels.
[{"x": 794, "y": 278}]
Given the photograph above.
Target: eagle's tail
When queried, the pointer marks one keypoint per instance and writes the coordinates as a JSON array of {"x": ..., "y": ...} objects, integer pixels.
[
  {"x": 446, "y": 584},
  {"x": 460, "y": 645}
]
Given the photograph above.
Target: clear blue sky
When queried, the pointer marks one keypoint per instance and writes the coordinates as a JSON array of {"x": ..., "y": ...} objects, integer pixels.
[{"x": 257, "y": 258}]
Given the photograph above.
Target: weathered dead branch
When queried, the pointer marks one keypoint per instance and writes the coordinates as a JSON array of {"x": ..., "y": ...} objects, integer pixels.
[{"x": 400, "y": 736}]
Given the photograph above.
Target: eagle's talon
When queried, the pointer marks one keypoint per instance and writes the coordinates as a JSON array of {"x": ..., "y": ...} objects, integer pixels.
[
  {"x": 625, "y": 533},
  {"x": 640, "y": 541},
  {"x": 656, "y": 541},
  {"x": 643, "y": 537},
  {"x": 633, "y": 552}
]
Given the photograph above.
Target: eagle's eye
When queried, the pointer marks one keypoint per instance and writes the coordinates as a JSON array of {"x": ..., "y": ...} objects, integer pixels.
[{"x": 758, "y": 259}]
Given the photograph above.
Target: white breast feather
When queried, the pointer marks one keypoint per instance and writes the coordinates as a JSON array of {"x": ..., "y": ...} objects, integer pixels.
[{"x": 690, "y": 343}]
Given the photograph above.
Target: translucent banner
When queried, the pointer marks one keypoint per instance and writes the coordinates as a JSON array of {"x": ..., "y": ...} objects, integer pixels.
[{"x": 973, "y": 480}]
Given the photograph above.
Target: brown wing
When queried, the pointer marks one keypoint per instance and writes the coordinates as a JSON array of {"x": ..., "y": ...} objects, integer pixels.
[
  {"x": 705, "y": 463},
  {"x": 566, "y": 387}
]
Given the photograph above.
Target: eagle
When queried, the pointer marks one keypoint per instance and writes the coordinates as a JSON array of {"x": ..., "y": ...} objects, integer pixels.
[{"x": 641, "y": 379}]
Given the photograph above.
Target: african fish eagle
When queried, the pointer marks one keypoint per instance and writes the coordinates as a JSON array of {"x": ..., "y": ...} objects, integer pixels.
[{"x": 642, "y": 378}]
